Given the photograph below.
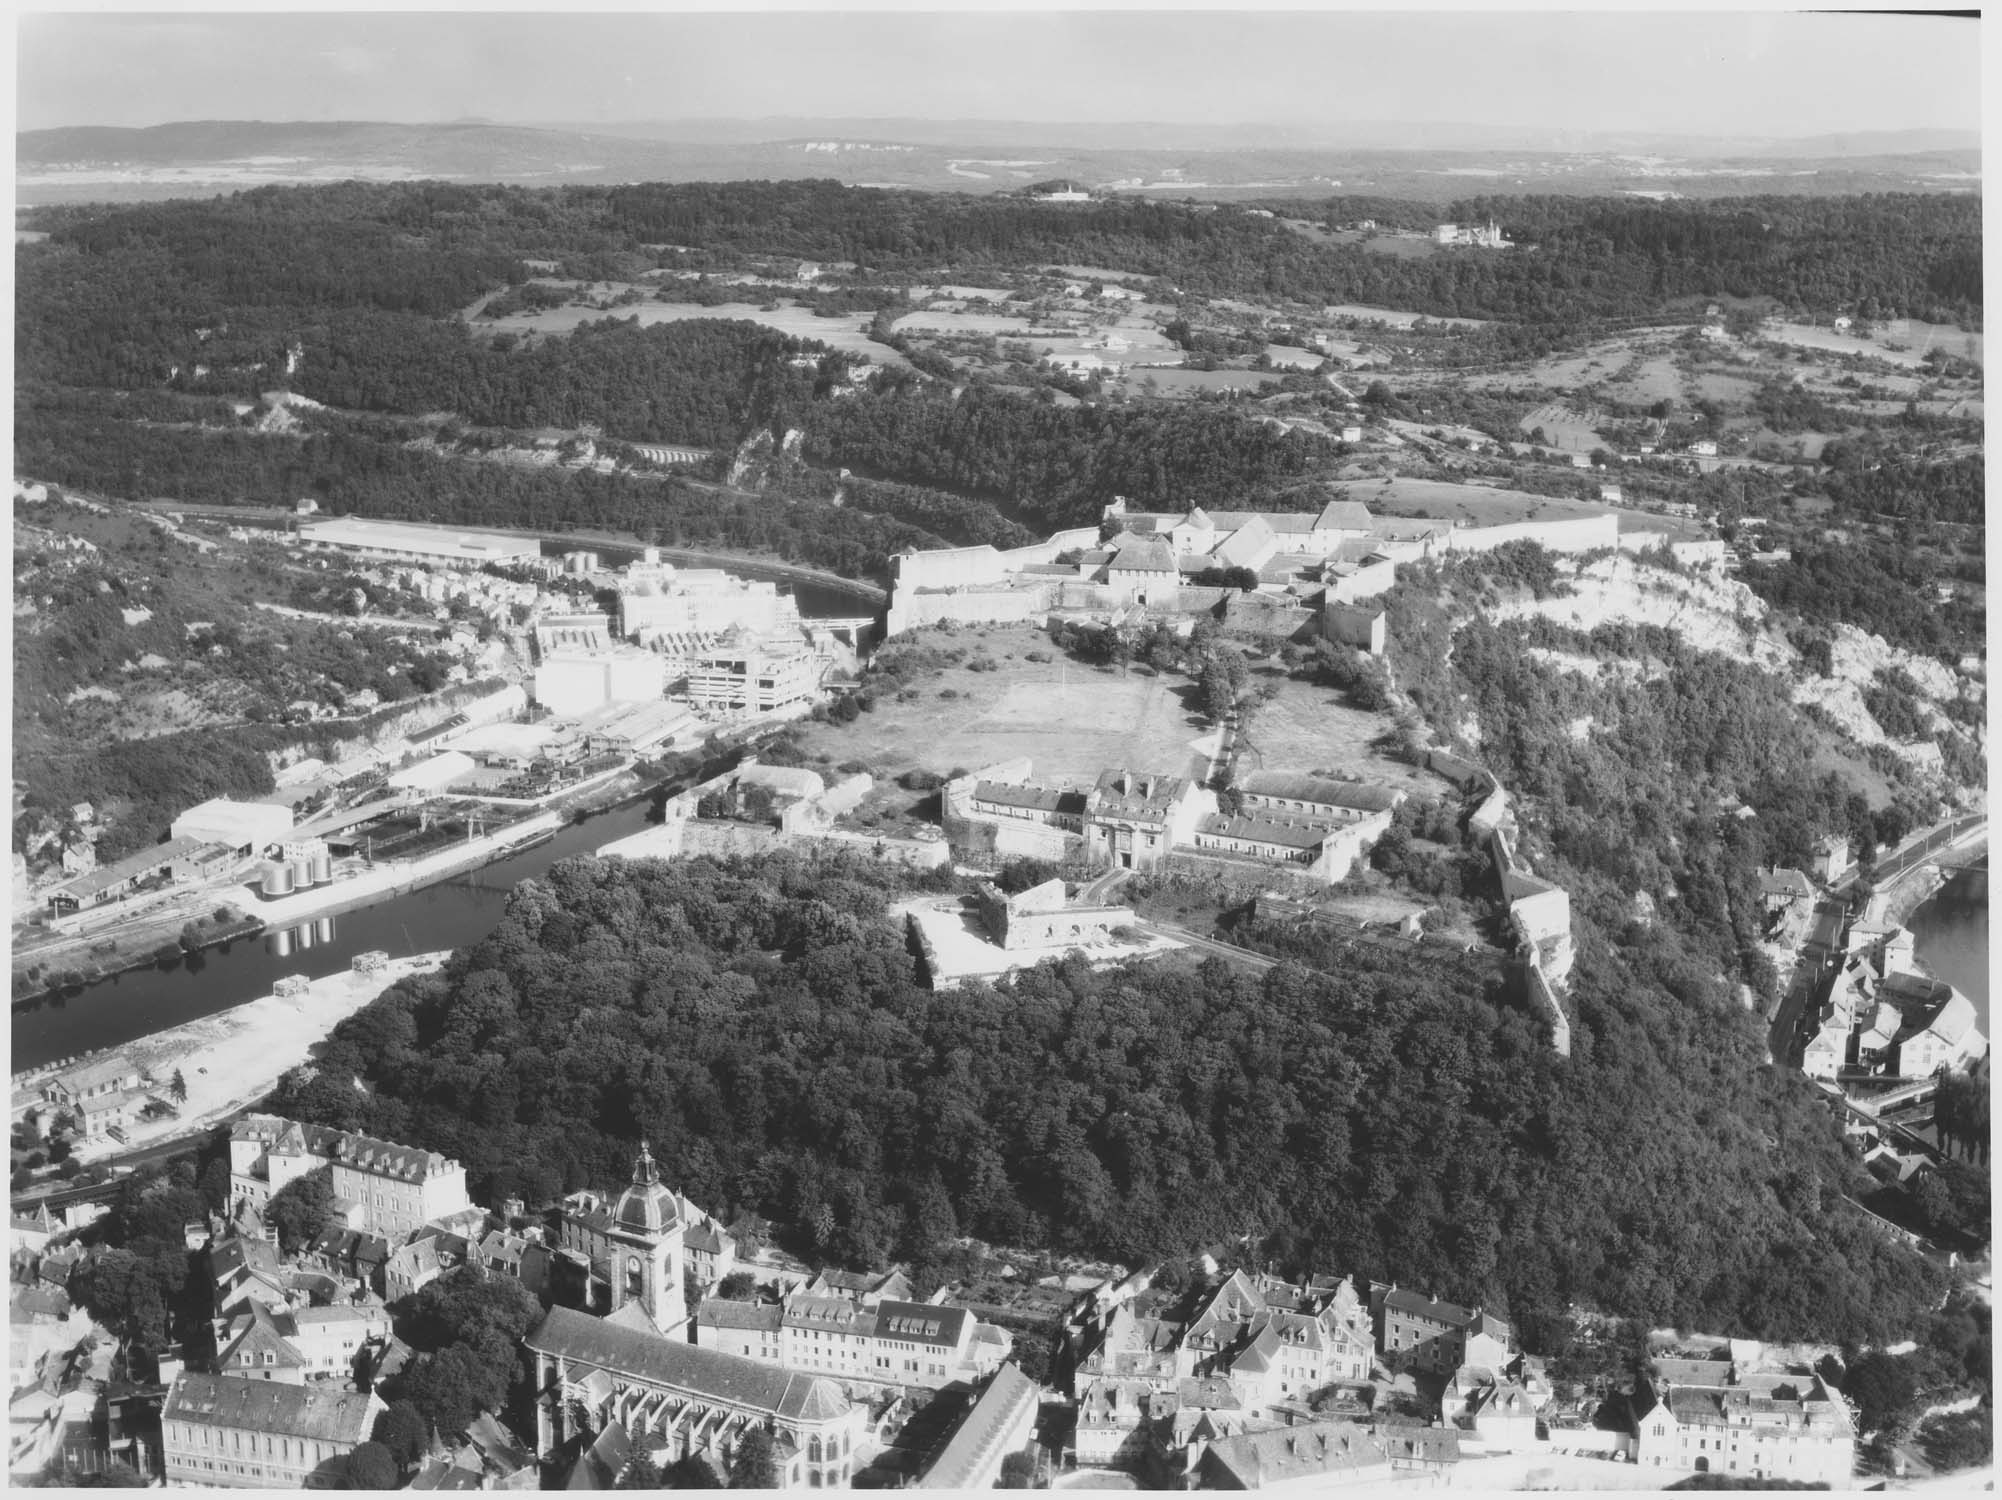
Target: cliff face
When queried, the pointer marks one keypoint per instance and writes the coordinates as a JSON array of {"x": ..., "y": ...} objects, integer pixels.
[{"x": 1715, "y": 613}]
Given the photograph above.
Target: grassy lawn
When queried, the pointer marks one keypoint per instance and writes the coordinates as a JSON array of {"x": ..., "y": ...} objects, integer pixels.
[
  {"x": 1308, "y": 728},
  {"x": 1072, "y": 720}
]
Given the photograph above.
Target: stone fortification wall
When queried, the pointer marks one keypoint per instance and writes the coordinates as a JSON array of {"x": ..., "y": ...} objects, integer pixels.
[
  {"x": 1579, "y": 534},
  {"x": 1001, "y": 605},
  {"x": 726, "y": 840},
  {"x": 919, "y": 854}
]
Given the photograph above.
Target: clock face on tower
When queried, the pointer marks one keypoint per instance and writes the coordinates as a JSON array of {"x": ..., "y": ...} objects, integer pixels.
[{"x": 635, "y": 1282}]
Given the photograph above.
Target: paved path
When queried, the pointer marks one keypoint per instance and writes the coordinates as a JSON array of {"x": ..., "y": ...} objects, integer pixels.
[{"x": 1230, "y": 952}]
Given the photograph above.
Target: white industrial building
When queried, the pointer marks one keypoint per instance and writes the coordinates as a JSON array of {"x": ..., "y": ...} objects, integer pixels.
[
  {"x": 434, "y": 774},
  {"x": 575, "y": 682},
  {"x": 402, "y": 541},
  {"x": 243, "y": 827}
]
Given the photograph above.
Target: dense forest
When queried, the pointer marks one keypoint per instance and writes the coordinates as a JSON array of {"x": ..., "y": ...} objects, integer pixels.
[
  {"x": 1060, "y": 466},
  {"x": 761, "y": 1023},
  {"x": 347, "y": 472}
]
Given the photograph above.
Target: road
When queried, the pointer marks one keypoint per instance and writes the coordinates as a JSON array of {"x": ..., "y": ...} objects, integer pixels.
[
  {"x": 1920, "y": 847},
  {"x": 1258, "y": 963},
  {"x": 1818, "y": 957}
]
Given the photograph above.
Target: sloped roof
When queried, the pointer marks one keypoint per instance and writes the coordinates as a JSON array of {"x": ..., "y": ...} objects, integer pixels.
[
  {"x": 1143, "y": 555},
  {"x": 723, "y": 1378},
  {"x": 1357, "y": 796},
  {"x": 317, "y": 1412},
  {"x": 1252, "y": 1460},
  {"x": 1264, "y": 830},
  {"x": 921, "y": 1323},
  {"x": 722, "y": 1312},
  {"x": 1344, "y": 515},
  {"x": 973, "y": 1446},
  {"x": 1785, "y": 882}
]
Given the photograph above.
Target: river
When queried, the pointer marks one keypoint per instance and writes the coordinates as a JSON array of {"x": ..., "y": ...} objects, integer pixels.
[
  {"x": 1952, "y": 934},
  {"x": 451, "y": 914}
]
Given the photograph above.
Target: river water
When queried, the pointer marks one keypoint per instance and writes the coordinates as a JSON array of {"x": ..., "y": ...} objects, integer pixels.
[
  {"x": 1952, "y": 933},
  {"x": 451, "y": 914}
]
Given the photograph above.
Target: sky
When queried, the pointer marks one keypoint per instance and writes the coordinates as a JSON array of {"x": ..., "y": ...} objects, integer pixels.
[{"x": 1728, "y": 73}]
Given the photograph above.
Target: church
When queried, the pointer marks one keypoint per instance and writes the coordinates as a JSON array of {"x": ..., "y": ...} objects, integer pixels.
[
  {"x": 634, "y": 1250},
  {"x": 635, "y": 1374}
]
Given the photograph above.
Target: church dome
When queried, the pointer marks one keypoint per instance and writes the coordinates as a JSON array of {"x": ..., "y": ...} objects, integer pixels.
[{"x": 646, "y": 1207}]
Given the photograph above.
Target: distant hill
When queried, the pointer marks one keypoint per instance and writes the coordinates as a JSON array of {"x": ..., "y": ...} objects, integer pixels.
[{"x": 1430, "y": 163}]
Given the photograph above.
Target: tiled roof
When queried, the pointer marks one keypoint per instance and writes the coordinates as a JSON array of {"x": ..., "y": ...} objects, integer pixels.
[
  {"x": 1036, "y": 798},
  {"x": 1449, "y": 1313},
  {"x": 1344, "y": 515},
  {"x": 1263, "y": 830},
  {"x": 1356, "y": 795},
  {"x": 1252, "y": 1460},
  {"x": 316, "y": 1412},
  {"x": 361, "y": 1152},
  {"x": 921, "y": 1323},
  {"x": 1143, "y": 555},
  {"x": 974, "y": 1445},
  {"x": 724, "y": 1378},
  {"x": 722, "y": 1312}
]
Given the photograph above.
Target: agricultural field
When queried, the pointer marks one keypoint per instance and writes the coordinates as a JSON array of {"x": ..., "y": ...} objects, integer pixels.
[
  {"x": 1563, "y": 428},
  {"x": 1173, "y": 382},
  {"x": 847, "y": 333},
  {"x": 1912, "y": 343},
  {"x": 1392, "y": 317}
]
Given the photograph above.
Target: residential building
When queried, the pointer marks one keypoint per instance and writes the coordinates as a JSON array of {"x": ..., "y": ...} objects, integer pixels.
[
  {"x": 1429, "y": 1334},
  {"x": 97, "y": 1080},
  {"x": 304, "y": 1343},
  {"x": 674, "y": 1399},
  {"x": 890, "y": 1343},
  {"x": 222, "y": 1431},
  {"x": 1313, "y": 1455},
  {"x": 1751, "y": 1425},
  {"x": 397, "y": 1188},
  {"x": 1948, "y": 1038}
]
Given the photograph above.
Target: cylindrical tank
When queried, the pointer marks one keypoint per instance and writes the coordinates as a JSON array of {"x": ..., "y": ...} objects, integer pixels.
[
  {"x": 324, "y": 930},
  {"x": 323, "y": 868},
  {"x": 277, "y": 879},
  {"x": 303, "y": 935},
  {"x": 302, "y": 874},
  {"x": 281, "y": 944}
]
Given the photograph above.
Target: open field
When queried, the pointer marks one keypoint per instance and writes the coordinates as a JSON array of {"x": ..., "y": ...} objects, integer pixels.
[
  {"x": 1394, "y": 318},
  {"x": 1915, "y": 338},
  {"x": 1308, "y": 728},
  {"x": 1173, "y": 382},
  {"x": 843, "y": 333},
  {"x": 1072, "y": 720},
  {"x": 949, "y": 320},
  {"x": 1476, "y": 505},
  {"x": 1563, "y": 428}
]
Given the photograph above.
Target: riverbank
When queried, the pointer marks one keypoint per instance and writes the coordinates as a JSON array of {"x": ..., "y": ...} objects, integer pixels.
[
  {"x": 396, "y": 877},
  {"x": 232, "y": 1059}
]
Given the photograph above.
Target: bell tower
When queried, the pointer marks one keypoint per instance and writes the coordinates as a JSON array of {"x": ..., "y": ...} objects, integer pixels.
[{"x": 644, "y": 1249}]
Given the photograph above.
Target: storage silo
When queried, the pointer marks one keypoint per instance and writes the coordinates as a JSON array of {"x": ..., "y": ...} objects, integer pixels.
[
  {"x": 302, "y": 874},
  {"x": 277, "y": 879},
  {"x": 323, "y": 867}
]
